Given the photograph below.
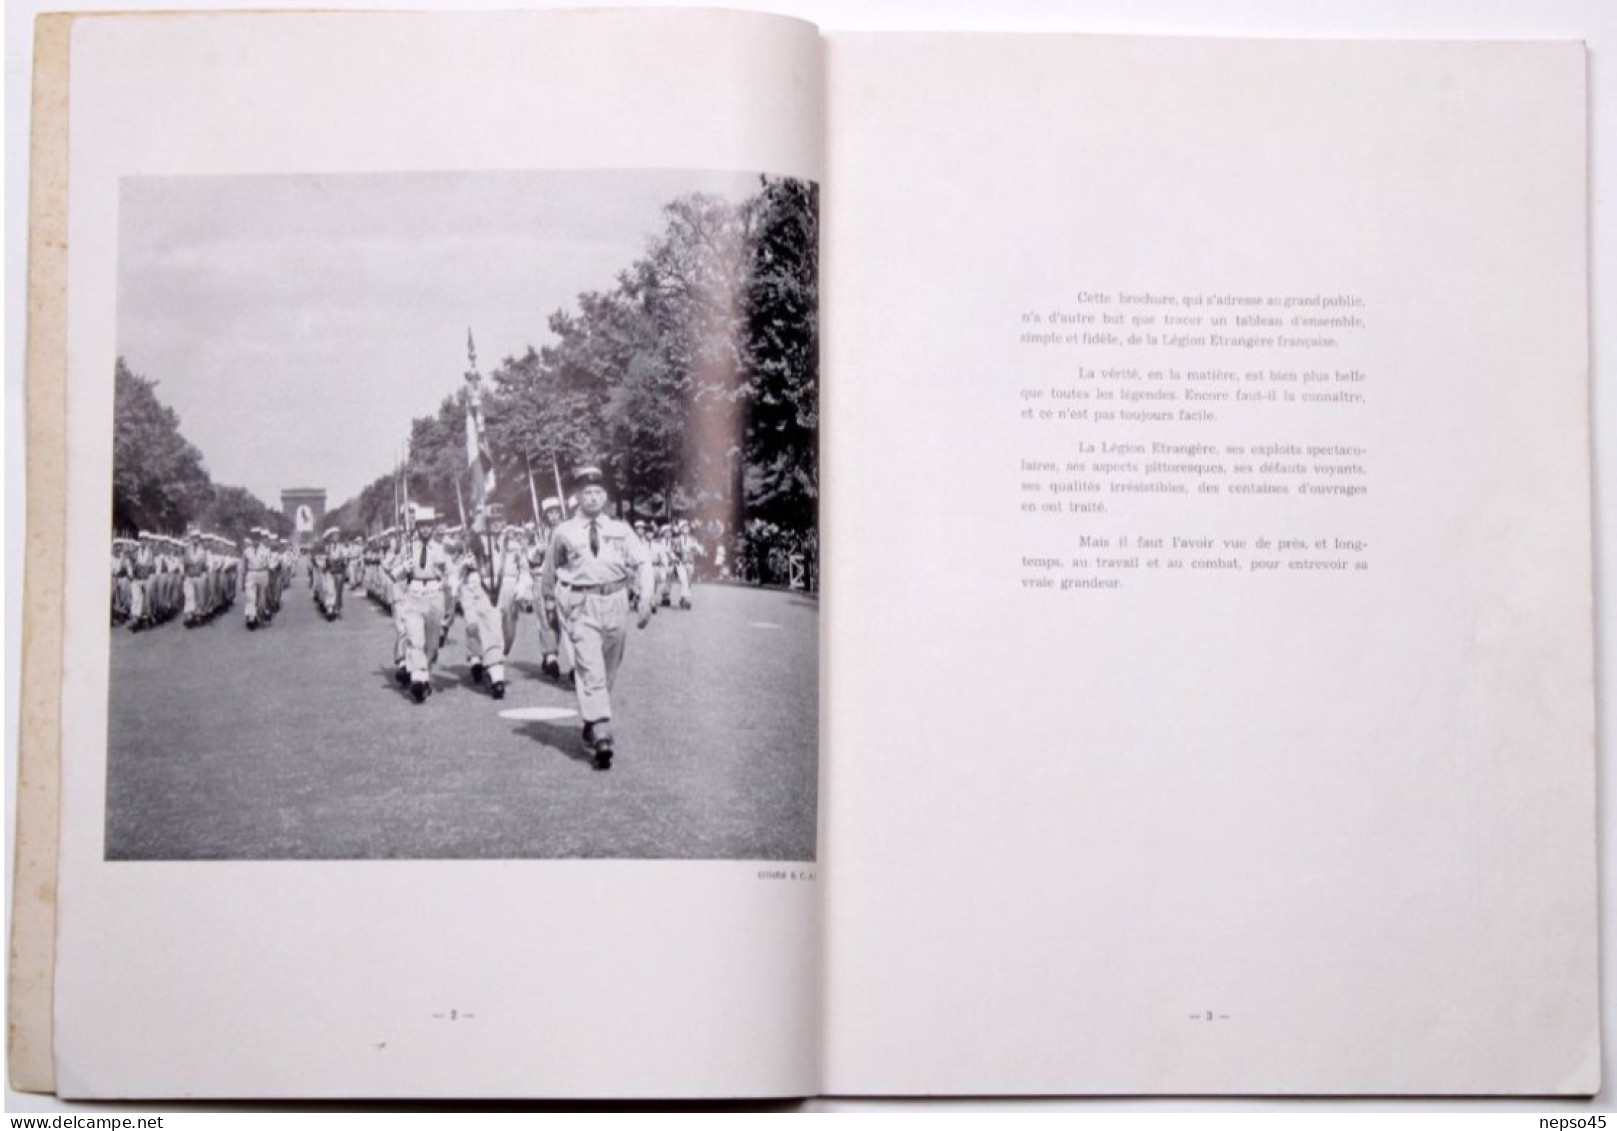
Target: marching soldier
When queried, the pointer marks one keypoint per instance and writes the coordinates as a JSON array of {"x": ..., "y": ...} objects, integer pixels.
[
  {"x": 662, "y": 564},
  {"x": 421, "y": 571},
  {"x": 123, "y": 551},
  {"x": 283, "y": 563},
  {"x": 194, "y": 562},
  {"x": 318, "y": 577},
  {"x": 394, "y": 584},
  {"x": 336, "y": 571},
  {"x": 171, "y": 579},
  {"x": 142, "y": 570},
  {"x": 213, "y": 592},
  {"x": 642, "y": 531},
  {"x": 511, "y": 568},
  {"x": 255, "y": 559},
  {"x": 224, "y": 571},
  {"x": 544, "y": 598},
  {"x": 357, "y": 564},
  {"x": 471, "y": 577},
  {"x": 529, "y": 576},
  {"x": 684, "y": 550},
  {"x": 592, "y": 561},
  {"x": 330, "y": 568},
  {"x": 271, "y": 602}
]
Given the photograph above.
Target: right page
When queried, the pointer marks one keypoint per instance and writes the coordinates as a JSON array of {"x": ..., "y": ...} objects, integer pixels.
[{"x": 1209, "y": 648}]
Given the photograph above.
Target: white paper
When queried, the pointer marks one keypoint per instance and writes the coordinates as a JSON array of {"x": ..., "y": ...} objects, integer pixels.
[{"x": 1305, "y": 833}]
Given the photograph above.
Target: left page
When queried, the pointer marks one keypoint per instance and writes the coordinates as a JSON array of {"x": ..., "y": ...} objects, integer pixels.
[{"x": 442, "y": 389}]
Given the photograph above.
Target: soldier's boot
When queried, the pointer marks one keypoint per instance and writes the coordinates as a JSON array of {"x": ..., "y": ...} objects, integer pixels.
[
  {"x": 498, "y": 690},
  {"x": 401, "y": 675},
  {"x": 603, "y": 745},
  {"x": 419, "y": 690},
  {"x": 477, "y": 671},
  {"x": 549, "y": 666}
]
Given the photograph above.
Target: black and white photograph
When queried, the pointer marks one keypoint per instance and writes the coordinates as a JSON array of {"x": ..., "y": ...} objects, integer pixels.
[{"x": 465, "y": 515}]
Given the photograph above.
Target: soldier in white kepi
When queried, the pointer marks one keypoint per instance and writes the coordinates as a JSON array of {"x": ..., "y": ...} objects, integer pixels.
[
  {"x": 195, "y": 563},
  {"x": 421, "y": 573},
  {"x": 470, "y": 578},
  {"x": 684, "y": 550},
  {"x": 142, "y": 568},
  {"x": 255, "y": 558},
  {"x": 593, "y": 562}
]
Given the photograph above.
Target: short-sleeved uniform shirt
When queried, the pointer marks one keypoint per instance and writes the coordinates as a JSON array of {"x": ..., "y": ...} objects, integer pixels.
[
  {"x": 618, "y": 556},
  {"x": 430, "y": 563}
]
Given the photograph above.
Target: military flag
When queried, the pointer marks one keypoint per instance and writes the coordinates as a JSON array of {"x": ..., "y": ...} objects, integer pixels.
[
  {"x": 479, "y": 459},
  {"x": 533, "y": 495}
]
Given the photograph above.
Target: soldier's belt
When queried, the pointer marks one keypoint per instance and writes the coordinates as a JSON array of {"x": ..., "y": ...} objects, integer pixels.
[{"x": 605, "y": 590}]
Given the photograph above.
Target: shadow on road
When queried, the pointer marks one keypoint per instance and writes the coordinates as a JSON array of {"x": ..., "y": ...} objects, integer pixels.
[
  {"x": 384, "y": 675},
  {"x": 533, "y": 671},
  {"x": 565, "y": 737}
]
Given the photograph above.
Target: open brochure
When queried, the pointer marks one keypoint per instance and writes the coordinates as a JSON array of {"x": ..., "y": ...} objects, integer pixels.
[{"x": 660, "y": 554}]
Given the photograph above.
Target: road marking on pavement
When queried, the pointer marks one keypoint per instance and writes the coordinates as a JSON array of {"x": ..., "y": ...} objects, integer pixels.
[
  {"x": 761, "y": 624},
  {"x": 537, "y": 714}
]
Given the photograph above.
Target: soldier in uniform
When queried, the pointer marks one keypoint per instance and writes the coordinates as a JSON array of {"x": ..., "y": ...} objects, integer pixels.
[
  {"x": 591, "y": 564},
  {"x": 393, "y": 587},
  {"x": 285, "y": 564},
  {"x": 271, "y": 602},
  {"x": 172, "y": 578},
  {"x": 511, "y": 568},
  {"x": 212, "y": 590},
  {"x": 318, "y": 577},
  {"x": 356, "y": 564},
  {"x": 642, "y": 531},
  {"x": 221, "y": 566},
  {"x": 336, "y": 571},
  {"x": 122, "y": 571},
  {"x": 470, "y": 578},
  {"x": 255, "y": 561},
  {"x": 544, "y": 599},
  {"x": 195, "y": 592},
  {"x": 330, "y": 571},
  {"x": 421, "y": 571},
  {"x": 142, "y": 570},
  {"x": 662, "y": 563},
  {"x": 684, "y": 550}
]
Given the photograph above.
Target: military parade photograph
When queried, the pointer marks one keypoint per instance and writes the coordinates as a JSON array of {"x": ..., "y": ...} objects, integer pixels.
[{"x": 465, "y": 515}]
